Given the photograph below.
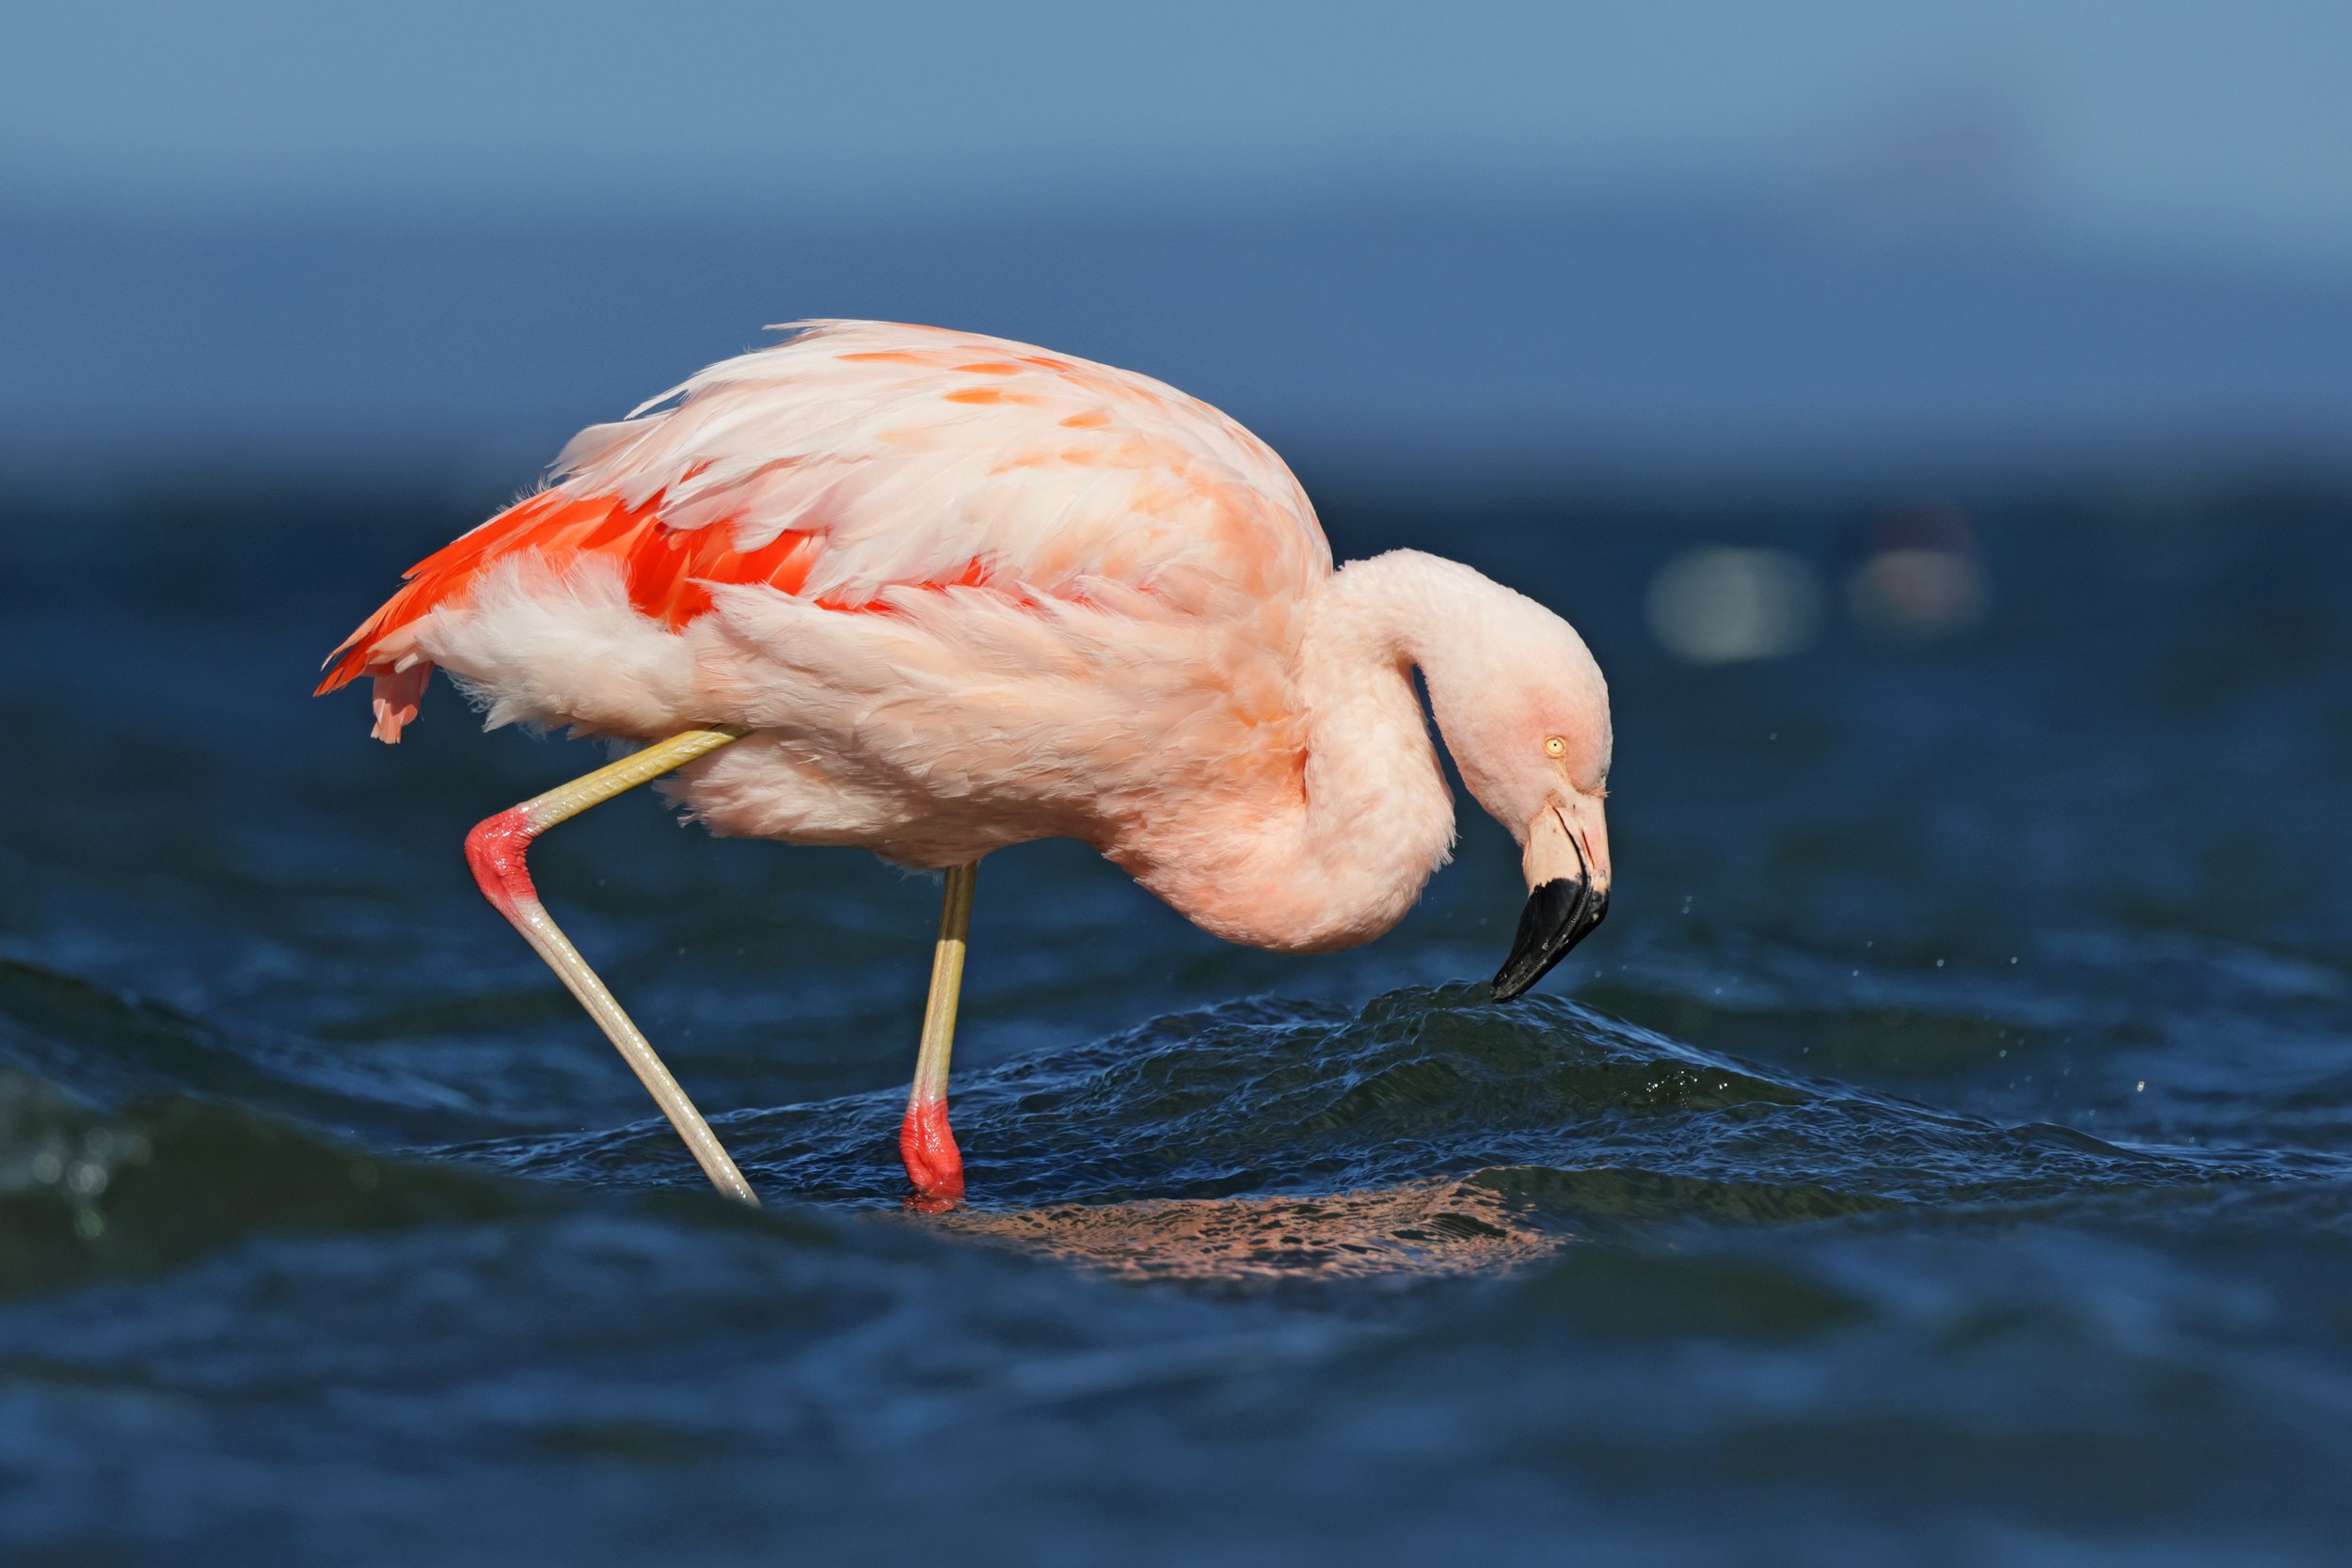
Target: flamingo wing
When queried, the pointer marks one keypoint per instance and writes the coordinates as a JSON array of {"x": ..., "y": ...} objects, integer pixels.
[{"x": 856, "y": 460}]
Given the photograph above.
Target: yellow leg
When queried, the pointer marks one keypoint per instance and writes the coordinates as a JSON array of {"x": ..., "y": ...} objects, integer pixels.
[
  {"x": 925, "y": 1142},
  {"x": 495, "y": 848}
]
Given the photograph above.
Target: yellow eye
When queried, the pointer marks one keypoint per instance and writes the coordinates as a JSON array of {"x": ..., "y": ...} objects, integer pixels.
[{"x": 1554, "y": 746}]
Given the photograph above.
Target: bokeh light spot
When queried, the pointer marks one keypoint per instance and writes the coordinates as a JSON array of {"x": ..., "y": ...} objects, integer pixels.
[{"x": 1721, "y": 604}]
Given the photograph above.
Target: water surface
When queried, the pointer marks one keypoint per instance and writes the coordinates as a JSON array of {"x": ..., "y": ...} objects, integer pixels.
[{"x": 1944, "y": 1153}]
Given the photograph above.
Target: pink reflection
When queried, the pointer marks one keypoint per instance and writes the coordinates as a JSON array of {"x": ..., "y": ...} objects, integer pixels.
[{"x": 1444, "y": 1227}]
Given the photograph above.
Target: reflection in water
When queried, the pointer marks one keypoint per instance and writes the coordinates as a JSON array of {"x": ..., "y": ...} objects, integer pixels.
[{"x": 1446, "y": 1228}]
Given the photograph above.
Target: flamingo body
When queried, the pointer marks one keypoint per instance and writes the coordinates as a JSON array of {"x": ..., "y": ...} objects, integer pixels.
[{"x": 965, "y": 593}]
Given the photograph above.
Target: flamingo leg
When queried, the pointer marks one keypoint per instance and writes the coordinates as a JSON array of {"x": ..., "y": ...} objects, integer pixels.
[
  {"x": 495, "y": 848},
  {"x": 925, "y": 1142}
]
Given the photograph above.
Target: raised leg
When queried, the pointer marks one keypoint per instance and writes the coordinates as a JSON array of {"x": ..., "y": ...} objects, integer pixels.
[
  {"x": 495, "y": 848},
  {"x": 925, "y": 1142}
]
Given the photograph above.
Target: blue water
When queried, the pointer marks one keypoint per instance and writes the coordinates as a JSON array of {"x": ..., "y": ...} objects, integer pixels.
[{"x": 1942, "y": 1154}]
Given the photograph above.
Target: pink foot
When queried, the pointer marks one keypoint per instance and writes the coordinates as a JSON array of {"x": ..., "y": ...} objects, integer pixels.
[{"x": 927, "y": 1144}]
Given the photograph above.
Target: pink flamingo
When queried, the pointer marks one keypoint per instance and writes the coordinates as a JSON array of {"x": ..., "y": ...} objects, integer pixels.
[{"x": 933, "y": 593}]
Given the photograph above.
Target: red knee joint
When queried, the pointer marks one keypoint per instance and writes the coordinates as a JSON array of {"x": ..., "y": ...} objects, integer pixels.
[
  {"x": 495, "y": 849},
  {"x": 927, "y": 1144}
]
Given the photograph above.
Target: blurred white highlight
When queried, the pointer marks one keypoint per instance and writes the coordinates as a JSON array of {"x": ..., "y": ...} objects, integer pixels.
[{"x": 1722, "y": 606}]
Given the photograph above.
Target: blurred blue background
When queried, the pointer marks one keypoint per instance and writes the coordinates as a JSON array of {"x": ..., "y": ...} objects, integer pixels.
[{"x": 1653, "y": 243}]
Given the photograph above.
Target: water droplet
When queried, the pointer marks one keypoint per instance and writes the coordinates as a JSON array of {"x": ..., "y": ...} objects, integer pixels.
[{"x": 88, "y": 1224}]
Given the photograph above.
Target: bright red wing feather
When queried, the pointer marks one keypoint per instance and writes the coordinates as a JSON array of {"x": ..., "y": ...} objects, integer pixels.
[{"x": 664, "y": 567}]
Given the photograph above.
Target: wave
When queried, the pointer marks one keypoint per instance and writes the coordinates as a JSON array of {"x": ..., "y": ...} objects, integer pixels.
[{"x": 1262, "y": 1138}]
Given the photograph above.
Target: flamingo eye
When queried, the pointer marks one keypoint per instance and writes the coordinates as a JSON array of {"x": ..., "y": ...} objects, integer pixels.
[{"x": 1554, "y": 746}]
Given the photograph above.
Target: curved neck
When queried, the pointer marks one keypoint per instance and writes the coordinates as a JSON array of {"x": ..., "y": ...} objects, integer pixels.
[{"x": 1344, "y": 864}]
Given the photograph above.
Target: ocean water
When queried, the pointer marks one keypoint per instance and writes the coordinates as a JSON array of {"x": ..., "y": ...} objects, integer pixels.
[{"x": 1942, "y": 1154}]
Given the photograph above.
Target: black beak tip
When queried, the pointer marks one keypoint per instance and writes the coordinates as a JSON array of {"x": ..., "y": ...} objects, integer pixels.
[
  {"x": 1559, "y": 914},
  {"x": 1510, "y": 988}
]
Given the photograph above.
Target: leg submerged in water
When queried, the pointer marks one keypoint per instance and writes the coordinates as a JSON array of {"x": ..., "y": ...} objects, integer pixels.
[
  {"x": 496, "y": 850},
  {"x": 925, "y": 1142}
]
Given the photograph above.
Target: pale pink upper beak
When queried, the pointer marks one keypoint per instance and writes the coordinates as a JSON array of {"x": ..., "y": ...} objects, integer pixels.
[{"x": 1567, "y": 889}]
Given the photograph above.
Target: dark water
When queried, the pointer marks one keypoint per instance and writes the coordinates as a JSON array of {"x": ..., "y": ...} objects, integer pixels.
[{"x": 1944, "y": 1154}]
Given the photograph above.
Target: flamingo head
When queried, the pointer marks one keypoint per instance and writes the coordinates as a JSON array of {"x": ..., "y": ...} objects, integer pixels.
[{"x": 1525, "y": 713}]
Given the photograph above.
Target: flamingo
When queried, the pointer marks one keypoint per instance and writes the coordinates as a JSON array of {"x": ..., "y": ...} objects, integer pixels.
[{"x": 932, "y": 593}]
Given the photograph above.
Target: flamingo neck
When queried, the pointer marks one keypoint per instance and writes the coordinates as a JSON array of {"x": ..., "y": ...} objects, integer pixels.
[{"x": 1340, "y": 862}]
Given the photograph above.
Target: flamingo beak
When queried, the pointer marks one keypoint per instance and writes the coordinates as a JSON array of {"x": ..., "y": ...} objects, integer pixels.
[{"x": 1568, "y": 881}]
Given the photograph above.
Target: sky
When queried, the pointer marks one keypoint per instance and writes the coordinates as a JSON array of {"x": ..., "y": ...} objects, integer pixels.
[
  {"x": 2215, "y": 129},
  {"x": 236, "y": 191}
]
